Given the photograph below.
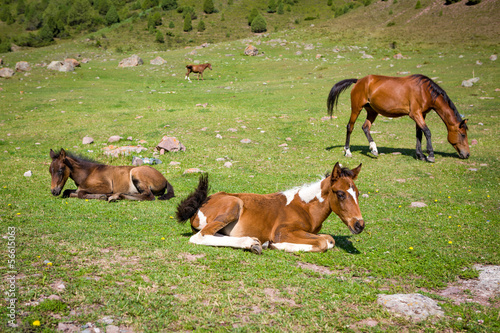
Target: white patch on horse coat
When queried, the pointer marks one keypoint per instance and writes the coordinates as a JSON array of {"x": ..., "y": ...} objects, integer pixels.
[
  {"x": 203, "y": 220},
  {"x": 353, "y": 194},
  {"x": 292, "y": 247},
  {"x": 347, "y": 152},
  {"x": 220, "y": 240},
  {"x": 306, "y": 192},
  {"x": 373, "y": 147},
  {"x": 131, "y": 187}
]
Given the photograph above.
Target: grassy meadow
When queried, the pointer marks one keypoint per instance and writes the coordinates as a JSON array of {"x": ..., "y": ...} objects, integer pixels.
[{"x": 131, "y": 261}]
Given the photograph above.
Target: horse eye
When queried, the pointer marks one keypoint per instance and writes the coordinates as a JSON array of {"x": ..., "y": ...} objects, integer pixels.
[
  {"x": 60, "y": 171},
  {"x": 341, "y": 195}
]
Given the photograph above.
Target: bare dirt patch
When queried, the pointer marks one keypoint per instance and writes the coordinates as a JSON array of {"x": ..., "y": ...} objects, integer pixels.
[
  {"x": 189, "y": 256},
  {"x": 274, "y": 297}
]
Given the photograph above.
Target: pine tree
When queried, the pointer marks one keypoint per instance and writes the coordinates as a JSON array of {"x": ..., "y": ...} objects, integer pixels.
[
  {"x": 259, "y": 24},
  {"x": 169, "y": 4},
  {"x": 188, "y": 26},
  {"x": 252, "y": 15},
  {"x": 171, "y": 25},
  {"x": 159, "y": 38},
  {"x": 281, "y": 9},
  {"x": 112, "y": 16},
  {"x": 418, "y": 5},
  {"x": 208, "y": 6},
  {"x": 271, "y": 6},
  {"x": 201, "y": 26},
  {"x": 21, "y": 7}
]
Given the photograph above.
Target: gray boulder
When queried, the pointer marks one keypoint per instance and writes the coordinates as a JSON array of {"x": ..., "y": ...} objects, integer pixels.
[
  {"x": 131, "y": 61},
  {"x": 6, "y": 72}
]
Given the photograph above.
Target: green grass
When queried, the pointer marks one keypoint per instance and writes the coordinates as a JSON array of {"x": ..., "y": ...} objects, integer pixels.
[{"x": 112, "y": 258}]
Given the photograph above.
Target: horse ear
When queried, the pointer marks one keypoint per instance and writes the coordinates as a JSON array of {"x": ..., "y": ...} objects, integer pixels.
[
  {"x": 356, "y": 171},
  {"x": 337, "y": 170},
  {"x": 62, "y": 153},
  {"x": 463, "y": 124},
  {"x": 52, "y": 154}
]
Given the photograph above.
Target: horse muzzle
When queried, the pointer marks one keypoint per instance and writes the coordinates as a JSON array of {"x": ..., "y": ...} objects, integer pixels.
[
  {"x": 55, "y": 191},
  {"x": 464, "y": 155},
  {"x": 358, "y": 227}
]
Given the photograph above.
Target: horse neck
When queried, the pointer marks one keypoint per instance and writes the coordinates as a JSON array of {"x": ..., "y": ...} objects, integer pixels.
[
  {"x": 319, "y": 210},
  {"x": 445, "y": 112},
  {"x": 80, "y": 170}
]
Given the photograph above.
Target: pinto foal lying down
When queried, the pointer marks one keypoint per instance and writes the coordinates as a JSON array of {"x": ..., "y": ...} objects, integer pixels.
[{"x": 289, "y": 220}]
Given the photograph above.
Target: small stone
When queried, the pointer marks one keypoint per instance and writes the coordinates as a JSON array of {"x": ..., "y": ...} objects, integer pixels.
[
  {"x": 246, "y": 141},
  {"x": 288, "y": 139},
  {"x": 192, "y": 170},
  {"x": 129, "y": 138},
  {"x": 228, "y": 164},
  {"x": 479, "y": 63},
  {"x": 54, "y": 298},
  {"x": 364, "y": 195},
  {"x": 87, "y": 140},
  {"x": 174, "y": 163},
  {"x": 220, "y": 159},
  {"x": 162, "y": 151},
  {"x": 472, "y": 169},
  {"x": 416, "y": 306},
  {"x": 28, "y": 173},
  {"x": 112, "y": 329},
  {"x": 218, "y": 136},
  {"x": 232, "y": 130},
  {"x": 473, "y": 142},
  {"x": 283, "y": 145},
  {"x": 114, "y": 138},
  {"x": 137, "y": 161},
  {"x": 493, "y": 57},
  {"x": 417, "y": 204}
]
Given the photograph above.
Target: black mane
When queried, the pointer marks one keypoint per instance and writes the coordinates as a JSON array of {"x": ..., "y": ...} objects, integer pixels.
[
  {"x": 437, "y": 91},
  {"x": 344, "y": 172},
  {"x": 79, "y": 159}
]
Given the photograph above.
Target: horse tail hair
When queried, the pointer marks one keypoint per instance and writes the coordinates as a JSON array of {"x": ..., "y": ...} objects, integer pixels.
[
  {"x": 169, "y": 193},
  {"x": 337, "y": 89},
  {"x": 189, "y": 206}
]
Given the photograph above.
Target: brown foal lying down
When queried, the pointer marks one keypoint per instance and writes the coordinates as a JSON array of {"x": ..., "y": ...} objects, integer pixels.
[
  {"x": 288, "y": 220},
  {"x": 99, "y": 181}
]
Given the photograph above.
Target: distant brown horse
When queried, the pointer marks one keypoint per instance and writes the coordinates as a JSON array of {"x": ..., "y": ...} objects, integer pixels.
[
  {"x": 197, "y": 69},
  {"x": 99, "y": 181},
  {"x": 413, "y": 96},
  {"x": 289, "y": 220}
]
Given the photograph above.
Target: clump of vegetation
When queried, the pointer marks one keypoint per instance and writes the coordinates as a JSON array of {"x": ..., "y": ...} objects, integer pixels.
[
  {"x": 201, "y": 26},
  {"x": 159, "y": 38},
  {"x": 188, "y": 25},
  {"x": 253, "y": 14},
  {"x": 112, "y": 16},
  {"x": 259, "y": 24},
  {"x": 208, "y": 7},
  {"x": 418, "y": 5},
  {"x": 271, "y": 6},
  {"x": 168, "y": 4}
]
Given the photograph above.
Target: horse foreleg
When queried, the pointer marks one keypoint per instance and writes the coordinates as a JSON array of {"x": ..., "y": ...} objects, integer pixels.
[
  {"x": 187, "y": 75},
  {"x": 145, "y": 195},
  {"x": 422, "y": 127},
  {"x": 418, "y": 148},
  {"x": 370, "y": 119},
  {"x": 295, "y": 241},
  {"x": 81, "y": 194},
  {"x": 70, "y": 194}
]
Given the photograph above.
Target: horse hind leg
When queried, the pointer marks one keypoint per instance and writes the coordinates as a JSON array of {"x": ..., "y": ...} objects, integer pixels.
[
  {"x": 355, "y": 110},
  {"x": 370, "y": 119}
]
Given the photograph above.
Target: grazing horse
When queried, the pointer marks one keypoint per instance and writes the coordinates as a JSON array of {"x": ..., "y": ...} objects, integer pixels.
[
  {"x": 413, "y": 96},
  {"x": 99, "y": 181},
  {"x": 289, "y": 220},
  {"x": 197, "y": 69}
]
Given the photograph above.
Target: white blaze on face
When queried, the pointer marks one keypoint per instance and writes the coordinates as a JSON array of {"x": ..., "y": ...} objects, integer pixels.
[
  {"x": 353, "y": 194},
  {"x": 203, "y": 220}
]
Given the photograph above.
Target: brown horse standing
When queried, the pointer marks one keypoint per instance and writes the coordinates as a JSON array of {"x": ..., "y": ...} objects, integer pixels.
[
  {"x": 413, "y": 96},
  {"x": 99, "y": 181},
  {"x": 288, "y": 220},
  {"x": 197, "y": 69}
]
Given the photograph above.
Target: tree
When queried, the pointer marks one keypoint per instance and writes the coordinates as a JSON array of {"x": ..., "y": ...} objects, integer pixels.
[
  {"x": 171, "y": 25},
  {"x": 271, "y": 6},
  {"x": 159, "y": 38},
  {"x": 418, "y": 5},
  {"x": 80, "y": 13},
  {"x": 252, "y": 15},
  {"x": 281, "y": 9},
  {"x": 208, "y": 6},
  {"x": 112, "y": 16},
  {"x": 259, "y": 24},
  {"x": 188, "y": 26},
  {"x": 169, "y": 4},
  {"x": 21, "y": 7},
  {"x": 201, "y": 26}
]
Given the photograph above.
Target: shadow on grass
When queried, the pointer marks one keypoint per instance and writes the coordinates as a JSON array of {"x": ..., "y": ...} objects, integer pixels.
[
  {"x": 365, "y": 150},
  {"x": 343, "y": 242}
]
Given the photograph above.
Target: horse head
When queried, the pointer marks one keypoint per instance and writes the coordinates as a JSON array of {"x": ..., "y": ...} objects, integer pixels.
[
  {"x": 59, "y": 170},
  {"x": 343, "y": 197},
  {"x": 457, "y": 137},
  {"x": 209, "y": 65}
]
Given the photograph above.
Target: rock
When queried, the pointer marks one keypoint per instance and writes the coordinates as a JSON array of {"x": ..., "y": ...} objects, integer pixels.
[
  {"x": 136, "y": 161},
  {"x": 28, "y": 173},
  {"x": 114, "y": 138},
  {"x": 106, "y": 320},
  {"x": 61, "y": 66},
  {"x": 246, "y": 141},
  {"x": 493, "y": 57},
  {"x": 366, "y": 56},
  {"x": 112, "y": 329},
  {"x": 417, "y": 204},
  {"x": 398, "y": 56},
  {"x": 6, "y": 72},
  {"x": 318, "y": 56},
  {"x": 416, "y": 306},
  {"x": 158, "y": 61},
  {"x": 54, "y": 298},
  {"x": 22, "y": 66},
  {"x": 365, "y": 195},
  {"x": 228, "y": 164},
  {"x": 308, "y": 47},
  {"x": 68, "y": 328},
  {"x": 251, "y": 50},
  {"x": 170, "y": 144},
  {"x": 129, "y": 138},
  {"x": 72, "y": 61},
  {"x": 298, "y": 53},
  {"x": 192, "y": 170},
  {"x": 174, "y": 163},
  {"x": 470, "y": 82},
  {"x": 473, "y": 142},
  {"x": 132, "y": 61},
  {"x": 58, "y": 286},
  {"x": 124, "y": 150},
  {"x": 218, "y": 136},
  {"x": 87, "y": 140},
  {"x": 479, "y": 63},
  {"x": 232, "y": 130}
]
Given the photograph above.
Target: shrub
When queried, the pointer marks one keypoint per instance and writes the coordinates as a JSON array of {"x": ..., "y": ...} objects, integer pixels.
[
  {"x": 281, "y": 10},
  {"x": 208, "y": 6},
  {"x": 259, "y": 24},
  {"x": 330, "y": 2},
  {"x": 418, "y": 5},
  {"x": 271, "y": 6},
  {"x": 168, "y": 4},
  {"x": 253, "y": 14},
  {"x": 201, "y": 26},
  {"x": 171, "y": 25},
  {"x": 390, "y": 24},
  {"x": 159, "y": 38},
  {"x": 188, "y": 26},
  {"x": 5, "y": 45},
  {"x": 112, "y": 16}
]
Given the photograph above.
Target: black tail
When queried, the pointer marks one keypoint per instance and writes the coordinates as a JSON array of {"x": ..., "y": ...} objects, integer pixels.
[
  {"x": 169, "y": 194},
  {"x": 337, "y": 89},
  {"x": 189, "y": 206}
]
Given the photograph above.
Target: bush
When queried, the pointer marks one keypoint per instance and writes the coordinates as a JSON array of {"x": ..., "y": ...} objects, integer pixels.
[
  {"x": 169, "y": 4},
  {"x": 5, "y": 45},
  {"x": 188, "y": 26},
  {"x": 418, "y": 5},
  {"x": 330, "y": 2},
  {"x": 259, "y": 24},
  {"x": 171, "y": 25},
  {"x": 201, "y": 26},
  {"x": 112, "y": 16},
  {"x": 271, "y": 6},
  {"x": 159, "y": 38},
  {"x": 253, "y": 14},
  {"x": 281, "y": 10},
  {"x": 208, "y": 6}
]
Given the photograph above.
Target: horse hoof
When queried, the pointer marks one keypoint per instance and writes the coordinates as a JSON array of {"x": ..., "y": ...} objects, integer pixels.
[
  {"x": 256, "y": 249},
  {"x": 375, "y": 153},
  {"x": 430, "y": 159}
]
